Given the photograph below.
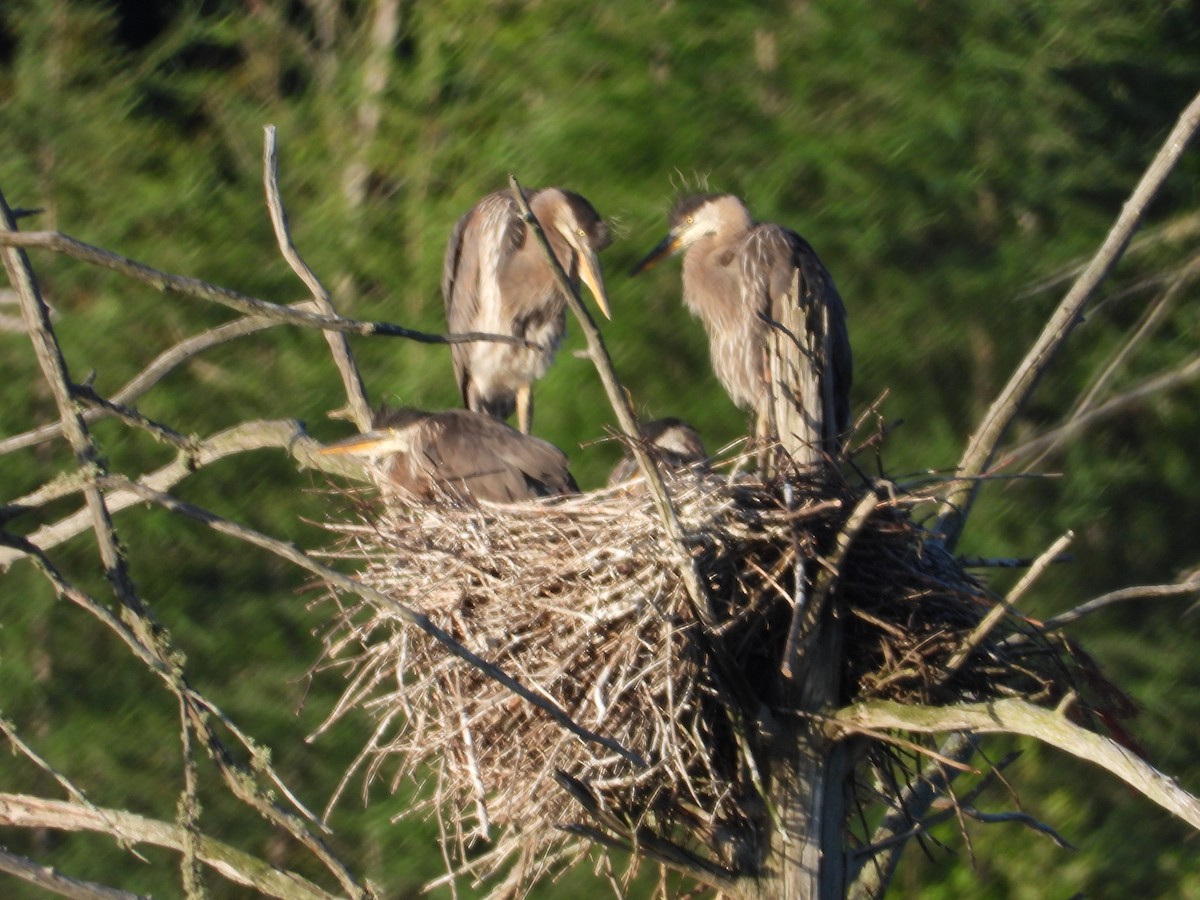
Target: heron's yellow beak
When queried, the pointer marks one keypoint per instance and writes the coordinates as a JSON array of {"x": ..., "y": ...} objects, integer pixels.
[
  {"x": 666, "y": 247},
  {"x": 368, "y": 444},
  {"x": 589, "y": 271}
]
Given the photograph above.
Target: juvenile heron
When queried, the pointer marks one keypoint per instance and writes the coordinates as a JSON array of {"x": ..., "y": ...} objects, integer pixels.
[
  {"x": 735, "y": 272},
  {"x": 460, "y": 453},
  {"x": 673, "y": 442},
  {"x": 496, "y": 279}
]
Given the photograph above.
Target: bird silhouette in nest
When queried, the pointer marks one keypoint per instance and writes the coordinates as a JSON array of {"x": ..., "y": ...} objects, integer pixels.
[
  {"x": 674, "y": 443},
  {"x": 459, "y": 455},
  {"x": 496, "y": 279},
  {"x": 738, "y": 276}
]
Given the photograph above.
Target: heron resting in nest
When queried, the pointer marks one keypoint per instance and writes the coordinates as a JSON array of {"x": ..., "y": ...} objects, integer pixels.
[
  {"x": 672, "y": 442},
  {"x": 460, "y": 454}
]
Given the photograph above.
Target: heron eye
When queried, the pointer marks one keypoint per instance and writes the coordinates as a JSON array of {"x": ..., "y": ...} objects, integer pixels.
[
  {"x": 691, "y": 220},
  {"x": 580, "y": 232}
]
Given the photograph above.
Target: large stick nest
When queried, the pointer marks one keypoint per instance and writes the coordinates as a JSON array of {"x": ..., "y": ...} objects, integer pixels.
[{"x": 582, "y": 600}]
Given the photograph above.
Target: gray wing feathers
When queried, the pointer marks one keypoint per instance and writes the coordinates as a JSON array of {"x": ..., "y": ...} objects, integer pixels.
[
  {"x": 771, "y": 285},
  {"x": 488, "y": 460}
]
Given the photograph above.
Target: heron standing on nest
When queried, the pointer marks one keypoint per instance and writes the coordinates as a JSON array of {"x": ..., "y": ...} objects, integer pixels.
[
  {"x": 496, "y": 279},
  {"x": 461, "y": 454},
  {"x": 736, "y": 275}
]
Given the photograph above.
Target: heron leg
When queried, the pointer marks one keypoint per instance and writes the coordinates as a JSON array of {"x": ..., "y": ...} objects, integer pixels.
[
  {"x": 763, "y": 441},
  {"x": 525, "y": 408}
]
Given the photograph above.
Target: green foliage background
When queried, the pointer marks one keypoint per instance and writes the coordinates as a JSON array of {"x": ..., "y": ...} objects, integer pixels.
[{"x": 945, "y": 159}]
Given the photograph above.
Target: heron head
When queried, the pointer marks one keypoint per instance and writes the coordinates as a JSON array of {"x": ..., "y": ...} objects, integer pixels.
[
  {"x": 577, "y": 221},
  {"x": 694, "y": 217}
]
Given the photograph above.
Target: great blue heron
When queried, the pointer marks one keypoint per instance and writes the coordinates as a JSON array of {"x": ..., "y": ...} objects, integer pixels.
[
  {"x": 735, "y": 272},
  {"x": 463, "y": 454},
  {"x": 496, "y": 279},
  {"x": 673, "y": 442}
]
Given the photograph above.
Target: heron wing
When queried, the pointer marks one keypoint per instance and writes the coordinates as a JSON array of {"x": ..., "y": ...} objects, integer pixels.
[
  {"x": 481, "y": 241},
  {"x": 483, "y": 458},
  {"x": 460, "y": 290},
  {"x": 771, "y": 257},
  {"x": 818, "y": 291}
]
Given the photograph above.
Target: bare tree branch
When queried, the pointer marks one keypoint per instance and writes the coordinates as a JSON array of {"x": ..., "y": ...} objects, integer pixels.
[
  {"x": 56, "y": 883},
  {"x": 281, "y": 434},
  {"x": 356, "y": 394},
  {"x": 162, "y": 365},
  {"x": 23, "y": 811},
  {"x": 1020, "y": 717},
  {"x": 145, "y": 631},
  {"x": 899, "y": 824},
  {"x": 1000, "y": 610},
  {"x": 202, "y": 290},
  {"x": 377, "y": 63},
  {"x": 242, "y": 783},
  {"x": 1075, "y": 426},
  {"x": 1152, "y": 318},
  {"x": 981, "y": 449},
  {"x": 1144, "y": 592},
  {"x": 1021, "y": 819}
]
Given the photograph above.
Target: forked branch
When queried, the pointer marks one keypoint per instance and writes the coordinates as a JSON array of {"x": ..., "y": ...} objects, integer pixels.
[{"x": 981, "y": 449}]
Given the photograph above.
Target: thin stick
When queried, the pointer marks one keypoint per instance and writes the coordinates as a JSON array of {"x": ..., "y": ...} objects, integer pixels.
[
  {"x": 356, "y": 394},
  {"x": 240, "y": 782},
  {"x": 284, "y": 434},
  {"x": 1143, "y": 592},
  {"x": 981, "y": 449},
  {"x": 996, "y": 613},
  {"x": 159, "y": 368},
  {"x": 914, "y": 801},
  {"x": 243, "y": 303},
  {"x": 1051, "y": 440}
]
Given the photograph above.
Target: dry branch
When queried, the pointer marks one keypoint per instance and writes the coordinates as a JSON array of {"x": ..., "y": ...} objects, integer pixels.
[
  {"x": 57, "y": 883},
  {"x": 1020, "y": 717},
  {"x": 1191, "y": 585},
  {"x": 22, "y": 811},
  {"x": 243, "y": 303},
  {"x": 159, "y": 368},
  {"x": 981, "y": 449},
  {"x": 1072, "y": 428},
  {"x": 356, "y": 394},
  {"x": 285, "y": 434},
  {"x": 152, "y": 640}
]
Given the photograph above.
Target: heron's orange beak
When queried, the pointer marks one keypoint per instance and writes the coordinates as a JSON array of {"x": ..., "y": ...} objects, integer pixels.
[
  {"x": 368, "y": 444},
  {"x": 666, "y": 247},
  {"x": 589, "y": 271}
]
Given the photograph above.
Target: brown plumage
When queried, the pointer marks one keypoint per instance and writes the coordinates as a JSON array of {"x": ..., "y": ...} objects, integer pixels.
[
  {"x": 430, "y": 456},
  {"x": 673, "y": 442},
  {"x": 736, "y": 271},
  {"x": 496, "y": 279}
]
